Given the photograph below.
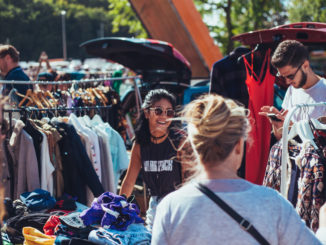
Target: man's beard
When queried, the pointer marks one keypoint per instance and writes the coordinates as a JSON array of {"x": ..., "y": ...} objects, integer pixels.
[{"x": 303, "y": 80}]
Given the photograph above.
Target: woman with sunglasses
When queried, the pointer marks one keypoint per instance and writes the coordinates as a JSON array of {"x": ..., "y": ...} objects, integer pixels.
[{"x": 154, "y": 151}]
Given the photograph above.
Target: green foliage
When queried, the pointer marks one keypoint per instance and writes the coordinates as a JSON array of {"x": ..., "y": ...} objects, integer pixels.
[
  {"x": 36, "y": 25},
  {"x": 124, "y": 17},
  {"x": 251, "y": 15},
  {"x": 236, "y": 17},
  {"x": 304, "y": 10}
]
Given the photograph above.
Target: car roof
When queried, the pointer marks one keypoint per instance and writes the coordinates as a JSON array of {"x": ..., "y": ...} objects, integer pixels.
[{"x": 305, "y": 32}]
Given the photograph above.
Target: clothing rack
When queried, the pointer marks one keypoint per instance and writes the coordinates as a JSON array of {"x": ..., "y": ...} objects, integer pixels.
[
  {"x": 70, "y": 81},
  {"x": 82, "y": 81},
  {"x": 285, "y": 143},
  {"x": 29, "y": 110}
]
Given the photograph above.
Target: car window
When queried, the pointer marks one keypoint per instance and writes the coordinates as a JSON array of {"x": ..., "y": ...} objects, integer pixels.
[{"x": 317, "y": 55}]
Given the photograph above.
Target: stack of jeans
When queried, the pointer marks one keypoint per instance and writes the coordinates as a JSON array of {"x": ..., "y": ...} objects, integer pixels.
[{"x": 135, "y": 234}]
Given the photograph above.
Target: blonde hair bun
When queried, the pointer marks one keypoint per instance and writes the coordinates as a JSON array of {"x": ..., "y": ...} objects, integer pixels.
[{"x": 215, "y": 125}]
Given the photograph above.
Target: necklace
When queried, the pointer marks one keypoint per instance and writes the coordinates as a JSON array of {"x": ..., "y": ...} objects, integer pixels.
[{"x": 159, "y": 137}]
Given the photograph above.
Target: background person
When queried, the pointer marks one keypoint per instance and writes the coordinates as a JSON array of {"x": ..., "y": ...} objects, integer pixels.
[
  {"x": 49, "y": 75},
  {"x": 154, "y": 151},
  {"x": 291, "y": 59},
  {"x": 217, "y": 129},
  {"x": 11, "y": 71}
]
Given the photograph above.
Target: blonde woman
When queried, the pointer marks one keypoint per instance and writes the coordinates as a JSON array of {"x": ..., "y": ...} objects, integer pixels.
[{"x": 217, "y": 129}]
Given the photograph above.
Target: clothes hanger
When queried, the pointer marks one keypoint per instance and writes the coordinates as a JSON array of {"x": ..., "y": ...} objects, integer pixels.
[
  {"x": 84, "y": 95},
  {"x": 256, "y": 58},
  {"x": 91, "y": 97},
  {"x": 247, "y": 55},
  {"x": 104, "y": 99},
  {"x": 317, "y": 124},
  {"x": 36, "y": 100},
  {"x": 303, "y": 129},
  {"x": 25, "y": 97},
  {"x": 30, "y": 103},
  {"x": 97, "y": 95},
  {"x": 47, "y": 93},
  {"x": 32, "y": 97},
  {"x": 259, "y": 50},
  {"x": 42, "y": 99}
]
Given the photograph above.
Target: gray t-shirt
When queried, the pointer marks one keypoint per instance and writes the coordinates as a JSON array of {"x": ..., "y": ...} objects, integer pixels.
[{"x": 187, "y": 216}]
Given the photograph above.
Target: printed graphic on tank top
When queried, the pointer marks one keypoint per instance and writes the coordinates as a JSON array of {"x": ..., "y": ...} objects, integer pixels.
[{"x": 161, "y": 170}]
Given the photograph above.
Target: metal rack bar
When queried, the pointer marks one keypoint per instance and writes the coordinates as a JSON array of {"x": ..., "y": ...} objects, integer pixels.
[
  {"x": 56, "y": 109},
  {"x": 70, "y": 81}
]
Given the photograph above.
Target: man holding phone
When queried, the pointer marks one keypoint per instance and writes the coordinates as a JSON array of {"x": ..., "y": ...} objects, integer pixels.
[{"x": 291, "y": 59}]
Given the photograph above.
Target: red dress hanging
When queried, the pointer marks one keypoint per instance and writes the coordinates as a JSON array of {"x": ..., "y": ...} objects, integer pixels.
[{"x": 261, "y": 93}]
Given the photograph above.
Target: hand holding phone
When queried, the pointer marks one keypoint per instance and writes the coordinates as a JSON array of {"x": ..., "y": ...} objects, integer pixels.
[{"x": 273, "y": 117}]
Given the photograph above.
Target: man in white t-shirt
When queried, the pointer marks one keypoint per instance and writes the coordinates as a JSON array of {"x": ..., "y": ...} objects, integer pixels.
[{"x": 291, "y": 59}]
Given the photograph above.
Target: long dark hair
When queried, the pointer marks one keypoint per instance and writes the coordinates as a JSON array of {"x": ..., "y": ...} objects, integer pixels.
[{"x": 142, "y": 133}]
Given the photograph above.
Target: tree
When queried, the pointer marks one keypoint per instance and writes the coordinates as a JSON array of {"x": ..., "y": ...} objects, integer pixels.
[
  {"x": 236, "y": 17},
  {"x": 124, "y": 17},
  {"x": 304, "y": 10},
  {"x": 35, "y": 25}
]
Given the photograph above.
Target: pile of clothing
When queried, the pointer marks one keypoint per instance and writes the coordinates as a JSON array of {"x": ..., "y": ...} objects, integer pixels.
[{"x": 38, "y": 218}]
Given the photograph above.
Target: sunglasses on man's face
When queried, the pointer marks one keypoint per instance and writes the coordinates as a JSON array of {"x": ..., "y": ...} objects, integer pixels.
[
  {"x": 159, "y": 111},
  {"x": 290, "y": 77}
]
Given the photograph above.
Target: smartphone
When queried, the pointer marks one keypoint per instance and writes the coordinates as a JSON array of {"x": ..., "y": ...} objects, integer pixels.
[{"x": 273, "y": 117}]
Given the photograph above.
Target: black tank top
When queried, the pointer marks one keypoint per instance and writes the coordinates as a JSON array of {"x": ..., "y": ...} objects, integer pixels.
[{"x": 160, "y": 168}]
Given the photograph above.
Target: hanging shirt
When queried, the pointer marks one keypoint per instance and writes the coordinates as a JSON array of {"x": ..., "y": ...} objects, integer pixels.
[
  {"x": 96, "y": 157},
  {"x": 116, "y": 153},
  {"x": 261, "y": 93},
  {"x": 26, "y": 170},
  {"x": 47, "y": 168},
  {"x": 310, "y": 194},
  {"x": 78, "y": 171},
  {"x": 228, "y": 75},
  {"x": 108, "y": 176},
  {"x": 118, "y": 150},
  {"x": 91, "y": 143}
]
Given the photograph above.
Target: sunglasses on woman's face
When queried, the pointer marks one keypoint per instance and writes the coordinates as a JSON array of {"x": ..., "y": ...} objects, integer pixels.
[{"x": 159, "y": 111}]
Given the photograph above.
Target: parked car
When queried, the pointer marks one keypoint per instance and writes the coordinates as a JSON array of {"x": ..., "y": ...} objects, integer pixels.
[
  {"x": 311, "y": 34},
  {"x": 159, "y": 64}
]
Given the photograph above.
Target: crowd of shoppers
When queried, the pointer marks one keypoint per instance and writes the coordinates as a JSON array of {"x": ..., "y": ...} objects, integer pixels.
[{"x": 198, "y": 211}]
